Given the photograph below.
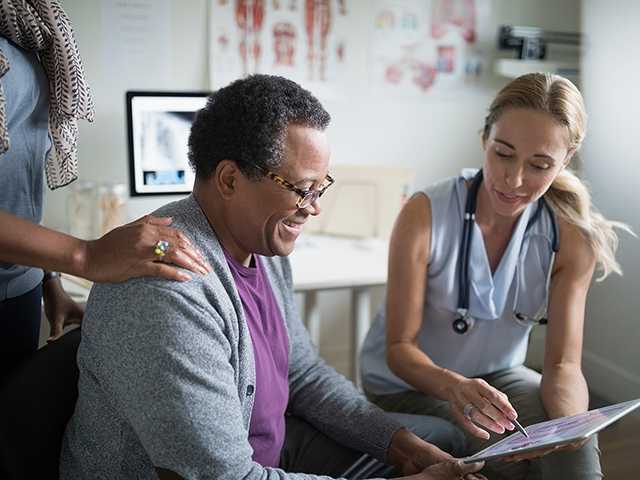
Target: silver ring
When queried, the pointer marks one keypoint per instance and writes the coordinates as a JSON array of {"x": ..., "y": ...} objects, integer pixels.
[
  {"x": 161, "y": 248},
  {"x": 466, "y": 411}
]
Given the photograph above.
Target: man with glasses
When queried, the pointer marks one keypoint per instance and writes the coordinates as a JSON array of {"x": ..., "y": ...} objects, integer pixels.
[{"x": 217, "y": 377}]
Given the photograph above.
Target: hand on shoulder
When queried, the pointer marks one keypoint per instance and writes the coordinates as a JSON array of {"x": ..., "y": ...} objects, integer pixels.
[{"x": 145, "y": 247}]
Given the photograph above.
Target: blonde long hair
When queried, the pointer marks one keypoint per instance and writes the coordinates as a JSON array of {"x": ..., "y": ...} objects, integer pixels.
[{"x": 568, "y": 195}]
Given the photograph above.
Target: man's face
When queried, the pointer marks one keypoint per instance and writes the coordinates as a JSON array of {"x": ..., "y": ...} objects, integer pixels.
[{"x": 267, "y": 221}]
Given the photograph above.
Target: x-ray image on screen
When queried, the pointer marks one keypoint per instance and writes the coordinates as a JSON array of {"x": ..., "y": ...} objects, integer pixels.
[
  {"x": 163, "y": 142},
  {"x": 159, "y": 126}
]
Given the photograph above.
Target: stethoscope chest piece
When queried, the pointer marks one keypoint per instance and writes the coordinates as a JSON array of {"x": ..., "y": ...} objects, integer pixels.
[
  {"x": 460, "y": 326},
  {"x": 463, "y": 323}
]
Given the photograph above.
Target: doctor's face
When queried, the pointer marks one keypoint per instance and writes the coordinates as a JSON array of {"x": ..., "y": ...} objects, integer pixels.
[{"x": 524, "y": 152}]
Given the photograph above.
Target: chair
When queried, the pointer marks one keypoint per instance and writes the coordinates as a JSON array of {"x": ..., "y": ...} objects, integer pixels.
[{"x": 36, "y": 403}]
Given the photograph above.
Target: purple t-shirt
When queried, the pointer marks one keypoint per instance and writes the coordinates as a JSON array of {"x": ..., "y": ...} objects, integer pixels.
[{"x": 271, "y": 353}]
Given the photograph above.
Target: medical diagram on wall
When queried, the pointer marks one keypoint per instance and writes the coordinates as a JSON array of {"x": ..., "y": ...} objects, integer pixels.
[
  {"x": 421, "y": 46},
  {"x": 304, "y": 40}
]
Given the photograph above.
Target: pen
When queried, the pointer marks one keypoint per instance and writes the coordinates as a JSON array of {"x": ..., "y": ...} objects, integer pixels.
[{"x": 520, "y": 428}]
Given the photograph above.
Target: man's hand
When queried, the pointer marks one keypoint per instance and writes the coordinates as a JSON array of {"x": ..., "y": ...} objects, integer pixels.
[
  {"x": 454, "y": 469},
  {"x": 410, "y": 454},
  {"x": 60, "y": 309},
  {"x": 423, "y": 461}
]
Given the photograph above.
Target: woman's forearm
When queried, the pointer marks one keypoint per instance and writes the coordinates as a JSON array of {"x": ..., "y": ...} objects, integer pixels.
[
  {"x": 26, "y": 243},
  {"x": 412, "y": 365},
  {"x": 564, "y": 390}
]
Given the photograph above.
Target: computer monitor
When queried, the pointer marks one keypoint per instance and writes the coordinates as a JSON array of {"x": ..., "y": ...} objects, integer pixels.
[{"x": 158, "y": 129}]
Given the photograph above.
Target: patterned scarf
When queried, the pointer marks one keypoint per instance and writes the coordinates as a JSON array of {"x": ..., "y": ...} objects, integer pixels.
[{"x": 42, "y": 26}]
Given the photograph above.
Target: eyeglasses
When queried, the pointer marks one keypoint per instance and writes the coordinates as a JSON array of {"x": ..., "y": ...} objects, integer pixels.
[{"x": 307, "y": 197}]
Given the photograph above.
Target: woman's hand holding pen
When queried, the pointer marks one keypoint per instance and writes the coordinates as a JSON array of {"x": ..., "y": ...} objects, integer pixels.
[{"x": 475, "y": 404}]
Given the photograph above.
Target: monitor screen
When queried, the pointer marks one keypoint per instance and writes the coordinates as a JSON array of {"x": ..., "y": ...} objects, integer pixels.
[{"x": 158, "y": 128}]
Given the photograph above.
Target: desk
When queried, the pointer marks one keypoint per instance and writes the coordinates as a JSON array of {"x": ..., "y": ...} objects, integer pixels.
[
  {"x": 322, "y": 263},
  {"x": 331, "y": 263}
]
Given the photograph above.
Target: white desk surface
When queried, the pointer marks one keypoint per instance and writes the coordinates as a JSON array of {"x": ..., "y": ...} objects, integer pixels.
[{"x": 322, "y": 262}]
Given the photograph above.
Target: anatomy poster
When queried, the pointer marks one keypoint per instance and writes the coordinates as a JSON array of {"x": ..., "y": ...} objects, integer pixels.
[
  {"x": 304, "y": 40},
  {"x": 421, "y": 46}
]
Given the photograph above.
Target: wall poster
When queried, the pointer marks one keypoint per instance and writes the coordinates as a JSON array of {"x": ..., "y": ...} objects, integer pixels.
[
  {"x": 304, "y": 40},
  {"x": 420, "y": 46}
]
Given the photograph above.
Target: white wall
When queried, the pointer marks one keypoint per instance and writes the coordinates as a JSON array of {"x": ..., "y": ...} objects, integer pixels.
[
  {"x": 436, "y": 136},
  {"x": 103, "y": 144},
  {"x": 612, "y": 163}
]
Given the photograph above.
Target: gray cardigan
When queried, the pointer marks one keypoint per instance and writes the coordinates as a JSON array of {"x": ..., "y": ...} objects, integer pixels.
[{"x": 167, "y": 377}]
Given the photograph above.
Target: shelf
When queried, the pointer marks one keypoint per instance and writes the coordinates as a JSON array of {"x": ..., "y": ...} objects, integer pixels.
[{"x": 512, "y": 68}]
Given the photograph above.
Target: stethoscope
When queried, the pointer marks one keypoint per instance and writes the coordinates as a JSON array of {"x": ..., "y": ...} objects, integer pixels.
[{"x": 464, "y": 322}]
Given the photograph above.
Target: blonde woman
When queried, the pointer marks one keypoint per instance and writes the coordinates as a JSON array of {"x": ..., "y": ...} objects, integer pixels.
[{"x": 476, "y": 261}]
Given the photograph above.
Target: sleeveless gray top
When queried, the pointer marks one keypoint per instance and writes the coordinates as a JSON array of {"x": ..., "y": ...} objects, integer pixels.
[{"x": 497, "y": 341}]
